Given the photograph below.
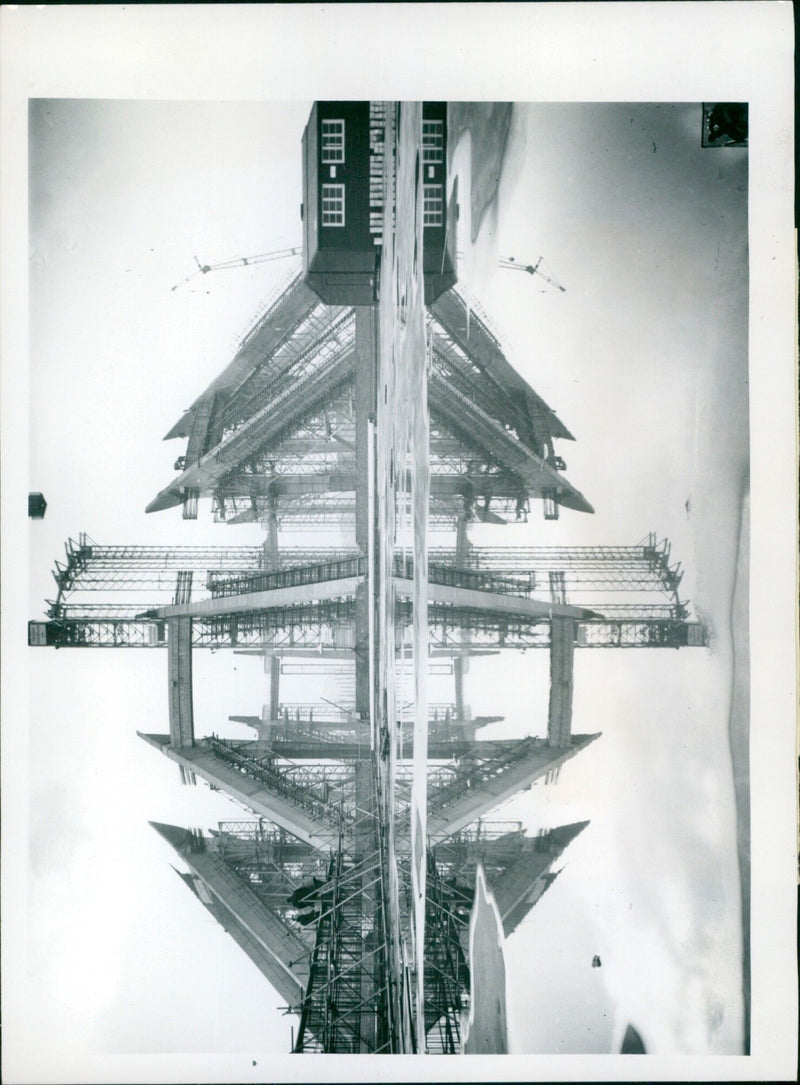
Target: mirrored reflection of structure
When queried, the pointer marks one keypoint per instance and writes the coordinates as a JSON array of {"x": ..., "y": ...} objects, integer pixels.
[{"x": 317, "y": 891}]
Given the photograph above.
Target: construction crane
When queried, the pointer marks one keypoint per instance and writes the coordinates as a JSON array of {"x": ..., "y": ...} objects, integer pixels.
[
  {"x": 240, "y": 261},
  {"x": 532, "y": 269}
]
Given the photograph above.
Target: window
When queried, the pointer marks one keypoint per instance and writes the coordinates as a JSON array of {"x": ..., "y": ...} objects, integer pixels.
[
  {"x": 333, "y": 205},
  {"x": 333, "y": 141},
  {"x": 432, "y": 141},
  {"x": 432, "y": 205}
]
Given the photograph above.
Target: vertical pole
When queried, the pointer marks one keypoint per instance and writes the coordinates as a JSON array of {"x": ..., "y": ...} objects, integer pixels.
[
  {"x": 366, "y": 833},
  {"x": 272, "y": 662},
  {"x": 460, "y": 663},
  {"x": 371, "y": 580},
  {"x": 179, "y": 672},
  {"x": 272, "y": 535},
  {"x": 562, "y": 663},
  {"x": 274, "y": 686},
  {"x": 366, "y": 365},
  {"x": 364, "y": 847}
]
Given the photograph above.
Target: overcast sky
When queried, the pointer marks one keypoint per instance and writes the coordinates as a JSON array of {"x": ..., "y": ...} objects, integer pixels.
[{"x": 644, "y": 357}]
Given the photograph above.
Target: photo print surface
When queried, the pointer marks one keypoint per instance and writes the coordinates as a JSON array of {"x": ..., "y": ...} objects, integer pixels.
[{"x": 361, "y": 657}]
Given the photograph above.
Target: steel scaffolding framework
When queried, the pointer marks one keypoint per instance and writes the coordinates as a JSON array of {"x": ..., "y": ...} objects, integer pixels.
[
  {"x": 93, "y": 567},
  {"x": 78, "y": 617}
]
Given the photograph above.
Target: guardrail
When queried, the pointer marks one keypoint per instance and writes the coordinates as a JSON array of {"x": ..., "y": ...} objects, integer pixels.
[{"x": 345, "y": 568}]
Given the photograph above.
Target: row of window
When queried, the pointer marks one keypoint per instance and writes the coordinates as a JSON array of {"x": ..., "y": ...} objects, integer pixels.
[
  {"x": 332, "y": 149},
  {"x": 333, "y": 205}
]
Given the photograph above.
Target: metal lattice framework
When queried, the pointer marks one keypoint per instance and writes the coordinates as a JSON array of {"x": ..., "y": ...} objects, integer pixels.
[
  {"x": 329, "y": 902},
  {"x": 347, "y": 1006},
  {"x": 331, "y": 625},
  {"x": 93, "y": 575},
  {"x": 321, "y": 333},
  {"x": 492, "y": 441}
]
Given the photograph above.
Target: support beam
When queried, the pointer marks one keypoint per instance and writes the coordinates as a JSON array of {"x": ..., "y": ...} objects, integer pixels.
[
  {"x": 298, "y": 748},
  {"x": 562, "y": 666},
  {"x": 263, "y": 600},
  {"x": 271, "y": 547},
  {"x": 281, "y": 730},
  {"x": 360, "y": 653},
  {"x": 179, "y": 671},
  {"x": 461, "y": 664},
  {"x": 274, "y": 686},
  {"x": 365, "y": 845},
  {"x": 286, "y": 484},
  {"x": 456, "y": 651},
  {"x": 517, "y": 605},
  {"x": 459, "y": 668}
]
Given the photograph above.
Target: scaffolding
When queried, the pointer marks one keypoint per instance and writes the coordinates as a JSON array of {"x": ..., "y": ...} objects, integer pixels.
[{"x": 635, "y": 591}]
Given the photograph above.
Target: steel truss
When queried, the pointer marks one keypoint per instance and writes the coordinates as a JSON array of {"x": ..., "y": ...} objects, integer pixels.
[
  {"x": 326, "y": 790},
  {"x": 272, "y": 862},
  {"x": 495, "y": 844},
  {"x": 184, "y": 571},
  {"x": 348, "y": 1002},
  {"x": 447, "y": 978},
  {"x": 332, "y": 903},
  {"x": 323, "y": 437},
  {"x": 331, "y": 624},
  {"x": 346, "y": 1008},
  {"x": 324, "y": 334}
]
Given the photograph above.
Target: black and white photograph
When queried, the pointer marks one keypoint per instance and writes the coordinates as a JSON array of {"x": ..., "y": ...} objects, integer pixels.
[{"x": 399, "y": 641}]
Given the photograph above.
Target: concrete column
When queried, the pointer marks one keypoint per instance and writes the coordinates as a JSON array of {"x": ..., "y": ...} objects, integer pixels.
[
  {"x": 459, "y": 666},
  {"x": 462, "y": 538},
  {"x": 271, "y": 544},
  {"x": 179, "y": 671},
  {"x": 274, "y": 685},
  {"x": 562, "y": 663}
]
